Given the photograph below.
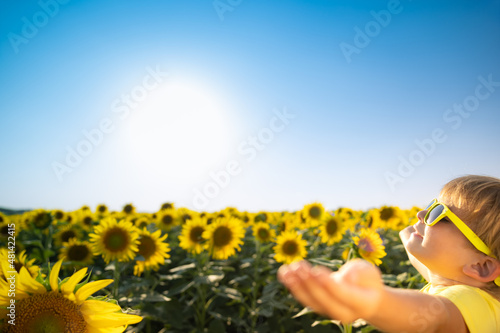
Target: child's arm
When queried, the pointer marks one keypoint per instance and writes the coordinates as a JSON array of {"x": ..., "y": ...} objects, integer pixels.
[{"x": 357, "y": 291}]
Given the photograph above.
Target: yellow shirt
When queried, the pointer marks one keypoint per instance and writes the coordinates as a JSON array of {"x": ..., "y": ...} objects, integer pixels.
[{"x": 480, "y": 310}]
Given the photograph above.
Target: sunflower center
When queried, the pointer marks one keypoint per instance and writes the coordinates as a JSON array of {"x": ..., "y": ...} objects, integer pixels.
[
  {"x": 332, "y": 227},
  {"x": 167, "y": 219},
  {"x": 47, "y": 313},
  {"x": 4, "y": 230},
  {"x": 67, "y": 235},
  {"x": 128, "y": 209},
  {"x": 87, "y": 220},
  {"x": 167, "y": 205},
  {"x": 386, "y": 213},
  {"x": 58, "y": 215},
  {"x": 222, "y": 236},
  {"x": 116, "y": 240},
  {"x": 147, "y": 247},
  {"x": 195, "y": 234},
  {"x": 263, "y": 233},
  {"x": 78, "y": 253},
  {"x": 315, "y": 212},
  {"x": 290, "y": 248},
  {"x": 365, "y": 245},
  {"x": 101, "y": 209},
  {"x": 42, "y": 220}
]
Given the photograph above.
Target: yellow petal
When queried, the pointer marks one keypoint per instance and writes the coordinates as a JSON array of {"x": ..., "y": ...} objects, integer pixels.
[
  {"x": 91, "y": 307},
  {"x": 54, "y": 275},
  {"x": 112, "y": 320},
  {"x": 29, "y": 284},
  {"x": 69, "y": 286},
  {"x": 91, "y": 329},
  {"x": 84, "y": 292}
]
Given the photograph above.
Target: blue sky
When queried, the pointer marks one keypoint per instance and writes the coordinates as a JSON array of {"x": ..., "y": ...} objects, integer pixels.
[{"x": 260, "y": 105}]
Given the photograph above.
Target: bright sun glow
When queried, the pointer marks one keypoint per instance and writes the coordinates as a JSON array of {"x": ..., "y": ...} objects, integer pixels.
[{"x": 180, "y": 130}]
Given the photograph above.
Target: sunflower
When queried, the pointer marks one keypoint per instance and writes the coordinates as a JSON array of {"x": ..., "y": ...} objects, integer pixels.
[
  {"x": 290, "y": 247},
  {"x": 39, "y": 219},
  {"x": 153, "y": 248},
  {"x": 101, "y": 211},
  {"x": 85, "y": 219},
  {"x": 191, "y": 238},
  {"x": 313, "y": 213},
  {"x": 58, "y": 215},
  {"x": 128, "y": 209},
  {"x": 372, "y": 219},
  {"x": 6, "y": 229},
  {"x": 391, "y": 217},
  {"x": 263, "y": 233},
  {"x": 166, "y": 219},
  {"x": 21, "y": 260},
  {"x": 142, "y": 221},
  {"x": 185, "y": 214},
  {"x": 53, "y": 306},
  {"x": 167, "y": 205},
  {"x": 332, "y": 229},
  {"x": 370, "y": 246},
  {"x": 79, "y": 253},
  {"x": 66, "y": 233},
  {"x": 224, "y": 236},
  {"x": 114, "y": 240}
]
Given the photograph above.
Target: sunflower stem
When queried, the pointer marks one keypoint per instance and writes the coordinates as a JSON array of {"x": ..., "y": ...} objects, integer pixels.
[
  {"x": 316, "y": 246},
  {"x": 347, "y": 328},
  {"x": 253, "y": 314},
  {"x": 116, "y": 278},
  {"x": 201, "y": 308}
]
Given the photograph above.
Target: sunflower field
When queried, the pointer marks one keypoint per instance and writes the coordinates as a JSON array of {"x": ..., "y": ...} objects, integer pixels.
[{"x": 178, "y": 270}]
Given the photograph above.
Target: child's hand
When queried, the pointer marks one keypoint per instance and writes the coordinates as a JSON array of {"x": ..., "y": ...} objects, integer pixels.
[{"x": 355, "y": 291}]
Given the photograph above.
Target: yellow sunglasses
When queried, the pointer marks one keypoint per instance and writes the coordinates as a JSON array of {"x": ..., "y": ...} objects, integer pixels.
[{"x": 436, "y": 211}]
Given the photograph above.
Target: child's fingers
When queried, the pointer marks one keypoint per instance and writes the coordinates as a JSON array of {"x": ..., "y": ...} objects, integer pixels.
[
  {"x": 324, "y": 299},
  {"x": 296, "y": 287},
  {"x": 362, "y": 300}
]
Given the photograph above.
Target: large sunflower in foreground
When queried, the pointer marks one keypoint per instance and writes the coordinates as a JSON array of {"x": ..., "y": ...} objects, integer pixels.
[
  {"x": 191, "y": 238},
  {"x": 370, "y": 246},
  {"x": 114, "y": 240},
  {"x": 153, "y": 248},
  {"x": 53, "y": 306},
  {"x": 290, "y": 247},
  {"x": 224, "y": 236}
]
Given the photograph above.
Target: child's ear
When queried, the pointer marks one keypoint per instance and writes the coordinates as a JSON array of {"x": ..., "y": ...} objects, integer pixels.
[{"x": 485, "y": 270}]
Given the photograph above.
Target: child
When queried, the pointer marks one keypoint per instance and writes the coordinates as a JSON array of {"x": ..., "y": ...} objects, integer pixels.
[{"x": 454, "y": 245}]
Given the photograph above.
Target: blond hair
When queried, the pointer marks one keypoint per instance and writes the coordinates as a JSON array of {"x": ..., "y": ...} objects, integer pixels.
[{"x": 478, "y": 198}]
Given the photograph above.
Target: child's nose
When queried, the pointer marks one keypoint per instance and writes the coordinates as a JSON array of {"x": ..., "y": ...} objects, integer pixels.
[{"x": 421, "y": 215}]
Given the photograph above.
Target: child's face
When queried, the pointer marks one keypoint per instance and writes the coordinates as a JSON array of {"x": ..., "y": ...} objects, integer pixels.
[{"x": 442, "y": 248}]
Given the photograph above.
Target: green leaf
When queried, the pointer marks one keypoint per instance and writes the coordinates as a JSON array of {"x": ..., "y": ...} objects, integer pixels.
[
  {"x": 332, "y": 264},
  {"x": 183, "y": 268},
  {"x": 178, "y": 289}
]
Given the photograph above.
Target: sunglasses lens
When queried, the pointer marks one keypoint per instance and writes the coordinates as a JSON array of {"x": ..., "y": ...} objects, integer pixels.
[
  {"x": 433, "y": 214},
  {"x": 430, "y": 204}
]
